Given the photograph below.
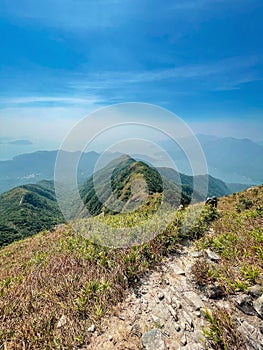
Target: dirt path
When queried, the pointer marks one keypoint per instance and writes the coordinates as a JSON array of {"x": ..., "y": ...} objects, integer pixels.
[{"x": 165, "y": 312}]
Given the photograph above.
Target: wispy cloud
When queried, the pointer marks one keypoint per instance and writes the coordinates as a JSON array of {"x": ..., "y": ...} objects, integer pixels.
[
  {"x": 225, "y": 74},
  {"x": 65, "y": 100}
]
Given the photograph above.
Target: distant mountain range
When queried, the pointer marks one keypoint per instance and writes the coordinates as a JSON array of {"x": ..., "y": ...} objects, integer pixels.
[
  {"x": 234, "y": 160},
  {"x": 124, "y": 184},
  {"x": 229, "y": 159},
  {"x": 37, "y": 166}
]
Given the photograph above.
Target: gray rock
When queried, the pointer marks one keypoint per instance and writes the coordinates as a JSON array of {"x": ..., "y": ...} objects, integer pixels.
[
  {"x": 92, "y": 328},
  {"x": 62, "y": 321},
  {"x": 245, "y": 304},
  {"x": 153, "y": 340},
  {"x": 251, "y": 336},
  {"x": 193, "y": 299},
  {"x": 196, "y": 254},
  {"x": 177, "y": 327},
  {"x": 258, "y": 306},
  {"x": 211, "y": 255},
  {"x": 184, "y": 340},
  {"x": 256, "y": 291},
  {"x": 160, "y": 296},
  {"x": 173, "y": 312},
  {"x": 178, "y": 270},
  {"x": 214, "y": 291},
  {"x": 188, "y": 321},
  {"x": 198, "y": 313}
]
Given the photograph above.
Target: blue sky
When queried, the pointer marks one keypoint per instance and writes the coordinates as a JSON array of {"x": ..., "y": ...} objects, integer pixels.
[{"x": 60, "y": 60}]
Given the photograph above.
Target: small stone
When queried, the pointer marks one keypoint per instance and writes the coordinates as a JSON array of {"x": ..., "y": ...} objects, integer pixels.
[
  {"x": 198, "y": 313},
  {"x": 256, "y": 291},
  {"x": 92, "y": 328},
  {"x": 62, "y": 321},
  {"x": 179, "y": 305},
  {"x": 188, "y": 321},
  {"x": 178, "y": 270},
  {"x": 196, "y": 254},
  {"x": 183, "y": 340},
  {"x": 258, "y": 306},
  {"x": 193, "y": 299},
  {"x": 153, "y": 340},
  {"x": 245, "y": 304},
  {"x": 175, "y": 303},
  {"x": 261, "y": 327},
  {"x": 173, "y": 312},
  {"x": 214, "y": 291},
  {"x": 211, "y": 255},
  {"x": 160, "y": 296},
  {"x": 110, "y": 338},
  {"x": 177, "y": 327}
]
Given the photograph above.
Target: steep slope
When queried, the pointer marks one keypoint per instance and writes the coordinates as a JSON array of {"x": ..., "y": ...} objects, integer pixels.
[
  {"x": 125, "y": 184},
  {"x": 216, "y": 187},
  {"x": 62, "y": 285},
  {"x": 26, "y": 210}
]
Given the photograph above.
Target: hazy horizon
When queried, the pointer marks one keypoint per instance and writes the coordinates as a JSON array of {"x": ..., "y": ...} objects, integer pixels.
[
  {"x": 61, "y": 61},
  {"x": 11, "y": 148}
]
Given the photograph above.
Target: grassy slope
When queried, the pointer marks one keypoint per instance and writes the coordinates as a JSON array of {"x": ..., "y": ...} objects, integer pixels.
[
  {"x": 238, "y": 239},
  {"x": 237, "y": 236},
  {"x": 131, "y": 183},
  {"x": 55, "y": 274},
  {"x": 26, "y": 210}
]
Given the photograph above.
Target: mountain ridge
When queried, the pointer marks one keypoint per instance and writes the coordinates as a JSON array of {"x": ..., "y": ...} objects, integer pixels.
[{"x": 125, "y": 184}]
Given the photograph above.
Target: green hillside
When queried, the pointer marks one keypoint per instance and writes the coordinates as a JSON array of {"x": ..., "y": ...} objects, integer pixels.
[
  {"x": 132, "y": 184},
  {"x": 26, "y": 210},
  {"x": 124, "y": 185},
  {"x": 61, "y": 283},
  {"x": 216, "y": 187}
]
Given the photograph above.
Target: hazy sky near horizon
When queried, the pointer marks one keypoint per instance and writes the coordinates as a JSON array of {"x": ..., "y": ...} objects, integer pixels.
[{"x": 60, "y": 60}]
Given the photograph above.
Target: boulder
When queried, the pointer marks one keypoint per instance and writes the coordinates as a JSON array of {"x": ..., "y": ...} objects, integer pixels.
[
  {"x": 211, "y": 255},
  {"x": 256, "y": 291},
  {"x": 245, "y": 304},
  {"x": 258, "y": 306},
  {"x": 153, "y": 340}
]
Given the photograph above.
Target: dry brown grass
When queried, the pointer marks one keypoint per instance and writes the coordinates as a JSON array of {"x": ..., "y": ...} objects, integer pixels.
[
  {"x": 60, "y": 276},
  {"x": 223, "y": 334},
  {"x": 238, "y": 238}
]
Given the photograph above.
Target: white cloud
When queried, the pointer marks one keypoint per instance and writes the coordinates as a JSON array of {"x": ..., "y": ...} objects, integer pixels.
[
  {"x": 225, "y": 74},
  {"x": 90, "y": 100}
]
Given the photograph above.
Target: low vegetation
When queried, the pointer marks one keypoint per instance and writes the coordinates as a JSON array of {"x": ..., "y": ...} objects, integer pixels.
[
  {"x": 223, "y": 333},
  {"x": 56, "y": 284},
  {"x": 26, "y": 210},
  {"x": 237, "y": 237}
]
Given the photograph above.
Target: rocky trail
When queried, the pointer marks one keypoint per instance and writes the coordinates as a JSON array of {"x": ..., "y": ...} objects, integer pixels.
[{"x": 166, "y": 311}]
